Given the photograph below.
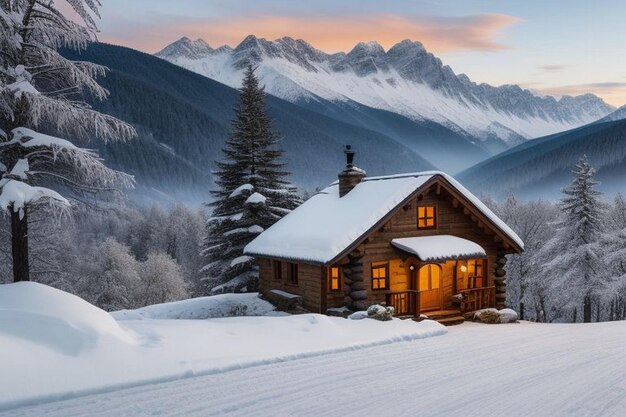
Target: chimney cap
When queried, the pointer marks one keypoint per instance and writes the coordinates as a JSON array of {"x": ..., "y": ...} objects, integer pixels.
[{"x": 349, "y": 156}]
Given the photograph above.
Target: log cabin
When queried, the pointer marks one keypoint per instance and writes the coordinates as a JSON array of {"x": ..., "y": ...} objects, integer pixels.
[{"x": 419, "y": 242}]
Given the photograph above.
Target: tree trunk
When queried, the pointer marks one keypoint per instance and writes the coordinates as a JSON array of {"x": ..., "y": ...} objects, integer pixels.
[
  {"x": 574, "y": 318},
  {"x": 587, "y": 309},
  {"x": 521, "y": 311},
  {"x": 19, "y": 245},
  {"x": 598, "y": 312}
]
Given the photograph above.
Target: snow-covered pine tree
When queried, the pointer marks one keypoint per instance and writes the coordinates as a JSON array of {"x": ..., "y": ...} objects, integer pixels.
[
  {"x": 41, "y": 92},
  {"x": 252, "y": 193},
  {"x": 614, "y": 245},
  {"x": 573, "y": 254},
  {"x": 533, "y": 222}
]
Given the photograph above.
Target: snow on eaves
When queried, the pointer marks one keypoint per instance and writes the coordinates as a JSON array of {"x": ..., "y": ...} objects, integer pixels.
[
  {"x": 326, "y": 225},
  {"x": 439, "y": 247}
]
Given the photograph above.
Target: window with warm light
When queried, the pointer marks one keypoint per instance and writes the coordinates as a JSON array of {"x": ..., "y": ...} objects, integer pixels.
[
  {"x": 334, "y": 279},
  {"x": 380, "y": 274},
  {"x": 476, "y": 273},
  {"x": 426, "y": 217}
]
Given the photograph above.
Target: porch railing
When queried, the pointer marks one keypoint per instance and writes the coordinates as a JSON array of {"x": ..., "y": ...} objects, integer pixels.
[
  {"x": 478, "y": 298},
  {"x": 404, "y": 302}
]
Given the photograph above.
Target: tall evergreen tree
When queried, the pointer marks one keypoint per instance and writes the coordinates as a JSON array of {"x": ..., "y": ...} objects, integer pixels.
[
  {"x": 252, "y": 194},
  {"x": 574, "y": 252},
  {"x": 40, "y": 89}
]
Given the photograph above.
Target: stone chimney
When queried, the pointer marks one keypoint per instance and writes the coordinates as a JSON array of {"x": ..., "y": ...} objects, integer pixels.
[{"x": 351, "y": 175}]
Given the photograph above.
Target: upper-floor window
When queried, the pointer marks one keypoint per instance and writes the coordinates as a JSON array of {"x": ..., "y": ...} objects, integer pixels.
[
  {"x": 334, "y": 279},
  {"x": 426, "y": 217},
  {"x": 380, "y": 275}
]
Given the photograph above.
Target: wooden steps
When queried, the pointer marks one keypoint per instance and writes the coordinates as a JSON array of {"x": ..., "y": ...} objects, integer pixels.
[{"x": 446, "y": 317}]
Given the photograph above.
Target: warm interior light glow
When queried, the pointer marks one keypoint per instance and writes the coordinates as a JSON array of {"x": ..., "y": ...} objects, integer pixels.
[
  {"x": 463, "y": 268},
  {"x": 333, "y": 277},
  {"x": 425, "y": 217}
]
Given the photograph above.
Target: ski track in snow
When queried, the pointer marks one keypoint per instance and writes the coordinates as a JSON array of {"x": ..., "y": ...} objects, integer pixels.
[{"x": 476, "y": 370}]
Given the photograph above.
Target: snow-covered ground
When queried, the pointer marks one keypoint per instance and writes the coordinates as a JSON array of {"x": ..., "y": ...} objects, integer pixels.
[
  {"x": 54, "y": 345},
  {"x": 475, "y": 370}
]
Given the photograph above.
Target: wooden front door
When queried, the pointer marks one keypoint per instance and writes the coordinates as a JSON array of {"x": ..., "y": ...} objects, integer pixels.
[{"x": 429, "y": 286}]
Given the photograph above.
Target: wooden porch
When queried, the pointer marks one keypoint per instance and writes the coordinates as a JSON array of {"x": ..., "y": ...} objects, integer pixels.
[{"x": 407, "y": 305}]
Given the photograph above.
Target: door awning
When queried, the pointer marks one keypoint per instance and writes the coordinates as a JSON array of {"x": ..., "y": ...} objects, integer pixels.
[{"x": 439, "y": 248}]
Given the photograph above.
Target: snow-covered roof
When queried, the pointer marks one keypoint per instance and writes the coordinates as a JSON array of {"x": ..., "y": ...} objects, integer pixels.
[
  {"x": 326, "y": 225},
  {"x": 440, "y": 247}
]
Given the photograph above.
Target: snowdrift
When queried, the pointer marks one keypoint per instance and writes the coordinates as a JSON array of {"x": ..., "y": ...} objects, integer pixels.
[
  {"x": 54, "y": 319},
  {"x": 222, "y": 305},
  {"x": 54, "y": 345}
]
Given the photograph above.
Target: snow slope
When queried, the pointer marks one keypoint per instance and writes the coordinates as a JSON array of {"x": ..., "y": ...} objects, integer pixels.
[
  {"x": 475, "y": 370},
  {"x": 406, "y": 80},
  {"x": 54, "y": 345}
]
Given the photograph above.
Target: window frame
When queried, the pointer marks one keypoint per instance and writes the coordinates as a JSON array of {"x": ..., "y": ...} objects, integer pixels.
[
  {"x": 426, "y": 217},
  {"x": 384, "y": 265},
  {"x": 475, "y": 276},
  {"x": 331, "y": 278},
  {"x": 293, "y": 271},
  {"x": 277, "y": 270}
]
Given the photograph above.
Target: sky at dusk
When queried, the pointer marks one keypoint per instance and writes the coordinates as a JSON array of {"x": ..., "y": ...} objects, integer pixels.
[{"x": 557, "y": 47}]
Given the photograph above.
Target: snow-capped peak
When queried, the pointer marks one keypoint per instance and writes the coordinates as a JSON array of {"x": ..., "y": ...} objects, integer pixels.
[
  {"x": 405, "y": 79},
  {"x": 185, "y": 47}
]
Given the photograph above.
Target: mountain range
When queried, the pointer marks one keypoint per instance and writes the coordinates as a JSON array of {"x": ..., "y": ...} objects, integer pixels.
[
  {"x": 406, "y": 80},
  {"x": 183, "y": 119}
]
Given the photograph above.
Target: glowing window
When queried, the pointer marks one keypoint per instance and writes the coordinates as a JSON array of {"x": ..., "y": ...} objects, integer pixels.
[
  {"x": 334, "y": 278},
  {"x": 380, "y": 273},
  {"x": 476, "y": 273},
  {"x": 426, "y": 217}
]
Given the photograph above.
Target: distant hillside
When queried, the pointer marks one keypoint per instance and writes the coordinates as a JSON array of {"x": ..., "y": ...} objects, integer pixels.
[
  {"x": 539, "y": 168},
  {"x": 183, "y": 119}
]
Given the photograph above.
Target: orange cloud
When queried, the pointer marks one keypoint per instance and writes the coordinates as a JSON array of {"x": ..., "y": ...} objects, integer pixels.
[{"x": 331, "y": 34}]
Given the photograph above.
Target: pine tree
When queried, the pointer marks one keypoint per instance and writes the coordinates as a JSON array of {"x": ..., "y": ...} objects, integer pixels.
[
  {"x": 252, "y": 194},
  {"x": 574, "y": 252},
  {"x": 40, "y": 89}
]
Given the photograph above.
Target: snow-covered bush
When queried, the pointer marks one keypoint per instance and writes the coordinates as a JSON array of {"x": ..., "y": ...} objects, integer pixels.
[
  {"x": 487, "y": 315},
  {"x": 378, "y": 312},
  {"x": 508, "y": 315},
  {"x": 161, "y": 280},
  {"x": 493, "y": 316},
  {"x": 110, "y": 279}
]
